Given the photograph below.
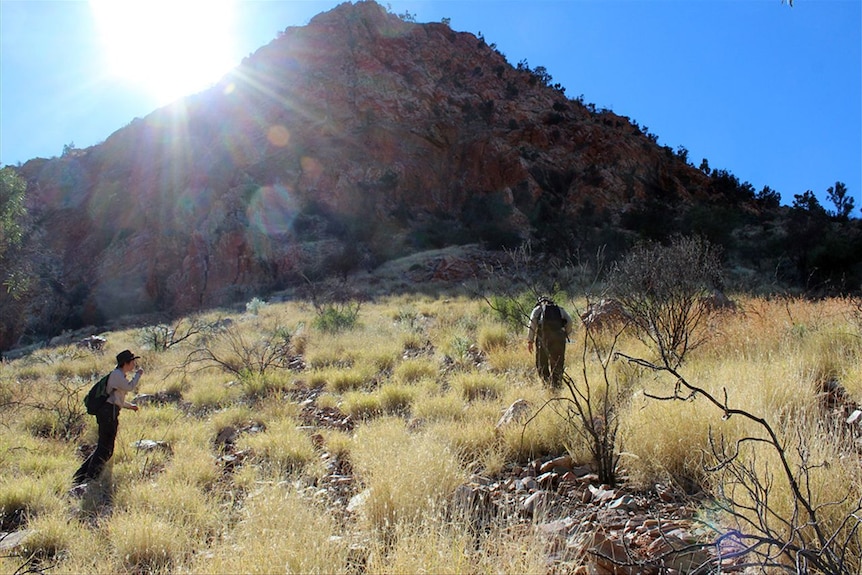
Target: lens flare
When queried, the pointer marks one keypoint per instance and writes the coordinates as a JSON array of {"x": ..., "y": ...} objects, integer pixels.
[
  {"x": 278, "y": 136},
  {"x": 272, "y": 210}
]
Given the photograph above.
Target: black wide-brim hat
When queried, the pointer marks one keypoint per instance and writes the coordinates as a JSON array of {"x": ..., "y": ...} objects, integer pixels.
[{"x": 125, "y": 357}]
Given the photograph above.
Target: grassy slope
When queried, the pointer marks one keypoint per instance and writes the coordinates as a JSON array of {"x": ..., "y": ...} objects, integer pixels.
[{"x": 425, "y": 423}]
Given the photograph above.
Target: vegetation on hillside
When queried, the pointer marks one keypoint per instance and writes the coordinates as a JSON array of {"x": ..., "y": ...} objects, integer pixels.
[
  {"x": 406, "y": 393},
  {"x": 274, "y": 178}
]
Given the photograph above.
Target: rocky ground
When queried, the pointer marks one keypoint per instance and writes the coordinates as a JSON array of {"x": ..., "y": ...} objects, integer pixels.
[{"x": 589, "y": 527}]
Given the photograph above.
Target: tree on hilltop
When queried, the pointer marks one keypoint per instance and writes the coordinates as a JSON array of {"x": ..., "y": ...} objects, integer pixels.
[{"x": 843, "y": 202}]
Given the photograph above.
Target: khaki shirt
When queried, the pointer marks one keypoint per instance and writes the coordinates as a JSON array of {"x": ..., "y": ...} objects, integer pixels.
[{"x": 534, "y": 322}]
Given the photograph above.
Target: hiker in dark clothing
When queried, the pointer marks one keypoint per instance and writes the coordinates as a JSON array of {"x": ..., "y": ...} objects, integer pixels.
[
  {"x": 108, "y": 415},
  {"x": 550, "y": 326}
]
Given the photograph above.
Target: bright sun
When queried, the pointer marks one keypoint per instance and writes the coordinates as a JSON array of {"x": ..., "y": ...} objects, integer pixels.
[{"x": 169, "y": 48}]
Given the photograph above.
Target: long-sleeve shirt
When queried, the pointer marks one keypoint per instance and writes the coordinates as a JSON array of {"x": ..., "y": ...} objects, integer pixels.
[
  {"x": 118, "y": 386},
  {"x": 534, "y": 322}
]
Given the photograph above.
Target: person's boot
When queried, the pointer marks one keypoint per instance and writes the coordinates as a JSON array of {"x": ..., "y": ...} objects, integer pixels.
[{"x": 79, "y": 490}]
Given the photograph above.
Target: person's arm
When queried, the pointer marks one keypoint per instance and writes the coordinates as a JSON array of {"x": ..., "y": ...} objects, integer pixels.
[
  {"x": 568, "y": 326},
  {"x": 117, "y": 382},
  {"x": 531, "y": 332}
]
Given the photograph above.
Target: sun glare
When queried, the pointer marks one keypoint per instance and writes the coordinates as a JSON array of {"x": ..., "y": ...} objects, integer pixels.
[{"x": 168, "y": 48}]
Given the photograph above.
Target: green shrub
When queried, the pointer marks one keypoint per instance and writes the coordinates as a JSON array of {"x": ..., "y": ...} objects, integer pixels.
[
  {"x": 254, "y": 306},
  {"x": 332, "y": 318}
]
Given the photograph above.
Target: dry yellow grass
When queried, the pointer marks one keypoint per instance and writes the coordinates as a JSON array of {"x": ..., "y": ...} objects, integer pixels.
[
  {"x": 408, "y": 476},
  {"x": 277, "y": 531},
  {"x": 424, "y": 423}
]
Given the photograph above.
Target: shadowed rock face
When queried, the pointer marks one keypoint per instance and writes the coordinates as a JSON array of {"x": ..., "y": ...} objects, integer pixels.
[{"x": 336, "y": 145}]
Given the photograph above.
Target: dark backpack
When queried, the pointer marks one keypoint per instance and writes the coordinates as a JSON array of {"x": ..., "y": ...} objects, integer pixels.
[
  {"x": 97, "y": 396},
  {"x": 551, "y": 321}
]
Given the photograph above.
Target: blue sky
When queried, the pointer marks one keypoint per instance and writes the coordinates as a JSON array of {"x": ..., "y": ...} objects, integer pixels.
[{"x": 769, "y": 92}]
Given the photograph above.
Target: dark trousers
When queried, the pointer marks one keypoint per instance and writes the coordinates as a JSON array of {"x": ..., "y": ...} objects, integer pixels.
[
  {"x": 551, "y": 359},
  {"x": 108, "y": 420}
]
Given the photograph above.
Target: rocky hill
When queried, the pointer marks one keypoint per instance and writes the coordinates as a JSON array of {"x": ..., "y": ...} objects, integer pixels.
[{"x": 341, "y": 144}]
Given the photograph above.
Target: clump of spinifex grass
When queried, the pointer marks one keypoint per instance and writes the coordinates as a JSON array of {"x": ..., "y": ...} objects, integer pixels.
[
  {"x": 281, "y": 449},
  {"x": 51, "y": 536},
  {"x": 492, "y": 337},
  {"x": 22, "y": 500},
  {"x": 475, "y": 385},
  {"x": 147, "y": 542},
  {"x": 408, "y": 477},
  {"x": 277, "y": 530},
  {"x": 413, "y": 370}
]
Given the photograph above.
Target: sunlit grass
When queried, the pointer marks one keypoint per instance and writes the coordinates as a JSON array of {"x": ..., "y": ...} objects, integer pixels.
[
  {"x": 342, "y": 380},
  {"x": 277, "y": 528},
  {"x": 448, "y": 407},
  {"x": 424, "y": 419},
  {"x": 361, "y": 405},
  {"x": 213, "y": 393},
  {"x": 21, "y": 501},
  {"x": 174, "y": 502},
  {"x": 475, "y": 385},
  {"x": 282, "y": 448},
  {"x": 492, "y": 337},
  {"x": 413, "y": 370},
  {"x": 405, "y": 495},
  {"x": 51, "y": 535},
  {"x": 145, "y": 541},
  {"x": 396, "y": 398}
]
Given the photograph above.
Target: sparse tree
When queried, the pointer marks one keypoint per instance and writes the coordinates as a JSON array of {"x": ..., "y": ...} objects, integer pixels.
[
  {"x": 162, "y": 337},
  {"x": 12, "y": 210},
  {"x": 243, "y": 353},
  {"x": 661, "y": 287},
  {"x": 808, "y": 202},
  {"x": 768, "y": 197},
  {"x": 843, "y": 202},
  {"x": 666, "y": 289},
  {"x": 15, "y": 278},
  {"x": 591, "y": 405}
]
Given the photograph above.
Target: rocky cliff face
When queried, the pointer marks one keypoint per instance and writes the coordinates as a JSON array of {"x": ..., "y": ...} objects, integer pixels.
[{"x": 350, "y": 140}]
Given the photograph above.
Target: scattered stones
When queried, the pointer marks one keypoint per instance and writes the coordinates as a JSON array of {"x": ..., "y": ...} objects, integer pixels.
[
  {"x": 473, "y": 504},
  {"x": 626, "y": 502},
  {"x": 838, "y": 405},
  {"x": 226, "y": 437},
  {"x": 230, "y": 461},
  {"x": 537, "y": 504},
  {"x": 93, "y": 343},
  {"x": 413, "y": 351},
  {"x": 158, "y": 398},
  {"x": 516, "y": 412},
  {"x": 605, "y": 314},
  {"x": 357, "y": 502},
  {"x": 78, "y": 491},
  {"x": 13, "y": 540},
  {"x": 717, "y": 301},
  {"x": 601, "y": 493},
  {"x": 152, "y": 445},
  {"x": 330, "y": 417},
  {"x": 560, "y": 464}
]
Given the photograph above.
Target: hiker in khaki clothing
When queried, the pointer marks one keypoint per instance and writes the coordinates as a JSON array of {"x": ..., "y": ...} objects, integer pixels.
[{"x": 550, "y": 327}]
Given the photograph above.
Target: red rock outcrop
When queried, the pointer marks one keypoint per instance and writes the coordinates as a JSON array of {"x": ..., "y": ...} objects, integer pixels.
[{"x": 348, "y": 130}]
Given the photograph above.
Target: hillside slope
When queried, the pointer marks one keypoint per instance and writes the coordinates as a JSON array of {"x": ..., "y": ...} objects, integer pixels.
[{"x": 338, "y": 146}]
